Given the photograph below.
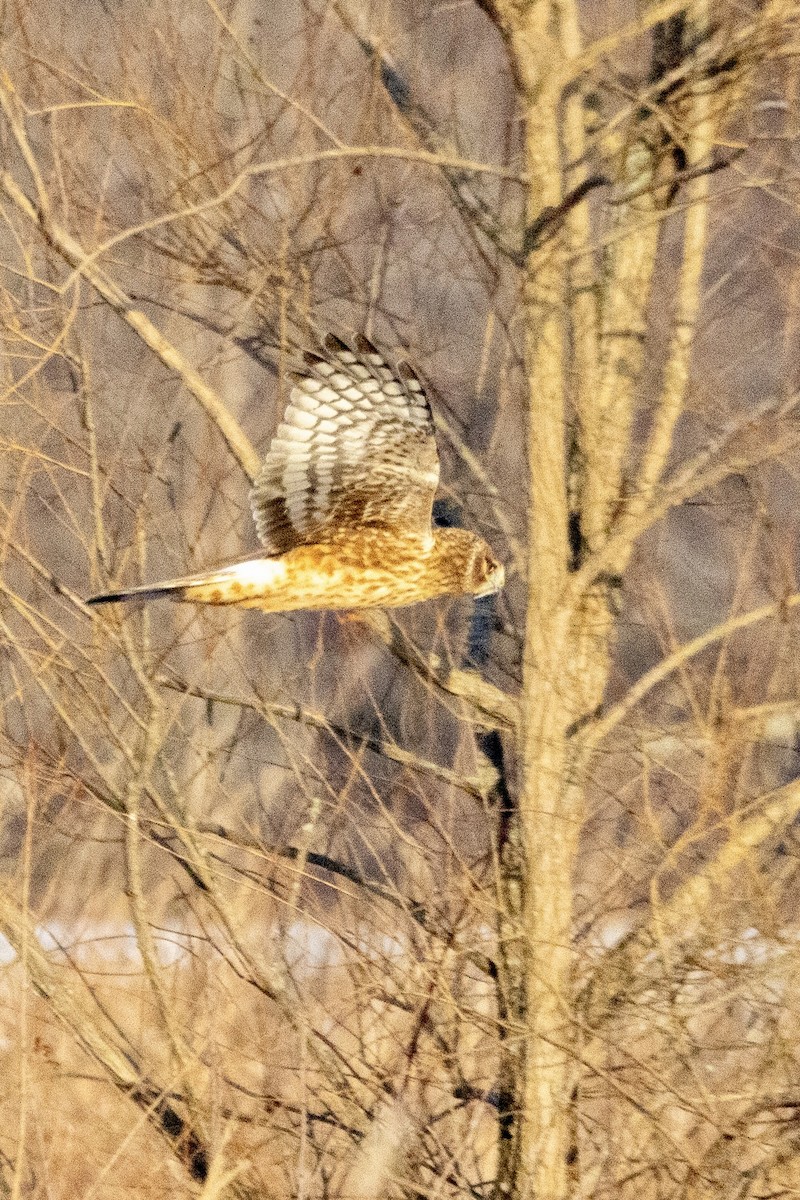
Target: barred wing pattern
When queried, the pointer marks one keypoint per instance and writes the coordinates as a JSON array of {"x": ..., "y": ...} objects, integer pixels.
[
  {"x": 343, "y": 502},
  {"x": 355, "y": 450}
]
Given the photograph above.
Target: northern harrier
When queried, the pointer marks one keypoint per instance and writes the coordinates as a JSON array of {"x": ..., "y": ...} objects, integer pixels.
[{"x": 343, "y": 501}]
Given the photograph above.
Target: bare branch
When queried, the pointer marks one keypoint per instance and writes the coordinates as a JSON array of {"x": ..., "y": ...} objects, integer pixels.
[{"x": 270, "y": 709}]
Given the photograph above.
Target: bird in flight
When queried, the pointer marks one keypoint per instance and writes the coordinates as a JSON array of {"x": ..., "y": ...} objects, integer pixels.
[{"x": 343, "y": 502}]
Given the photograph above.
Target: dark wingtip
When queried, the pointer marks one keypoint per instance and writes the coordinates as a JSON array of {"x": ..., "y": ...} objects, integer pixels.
[
  {"x": 407, "y": 372},
  {"x": 335, "y": 344},
  {"x": 365, "y": 346}
]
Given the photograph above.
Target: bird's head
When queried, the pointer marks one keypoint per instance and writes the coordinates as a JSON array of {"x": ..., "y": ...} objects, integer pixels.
[
  {"x": 487, "y": 575},
  {"x": 467, "y": 563}
]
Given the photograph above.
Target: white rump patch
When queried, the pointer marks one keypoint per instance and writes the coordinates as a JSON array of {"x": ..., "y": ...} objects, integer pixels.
[{"x": 259, "y": 572}]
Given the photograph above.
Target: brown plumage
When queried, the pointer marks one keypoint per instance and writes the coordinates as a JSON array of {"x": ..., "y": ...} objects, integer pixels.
[{"x": 343, "y": 501}]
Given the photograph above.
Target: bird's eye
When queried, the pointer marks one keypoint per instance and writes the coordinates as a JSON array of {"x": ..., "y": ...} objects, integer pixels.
[{"x": 483, "y": 568}]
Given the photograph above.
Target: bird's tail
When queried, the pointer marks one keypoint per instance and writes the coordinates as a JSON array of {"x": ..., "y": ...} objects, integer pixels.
[
  {"x": 245, "y": 582},
  {"x": 171, "y": 589}
]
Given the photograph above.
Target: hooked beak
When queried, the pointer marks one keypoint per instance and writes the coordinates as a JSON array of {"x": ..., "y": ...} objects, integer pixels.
[{"x": 494, "y": 582}]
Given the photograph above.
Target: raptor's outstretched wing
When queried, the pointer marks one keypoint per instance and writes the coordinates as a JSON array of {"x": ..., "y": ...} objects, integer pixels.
[{"x": 355, "y": 449}]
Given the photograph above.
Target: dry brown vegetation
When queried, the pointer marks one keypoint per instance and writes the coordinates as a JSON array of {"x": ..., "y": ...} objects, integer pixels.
[{"x": 490, "y": 900}]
